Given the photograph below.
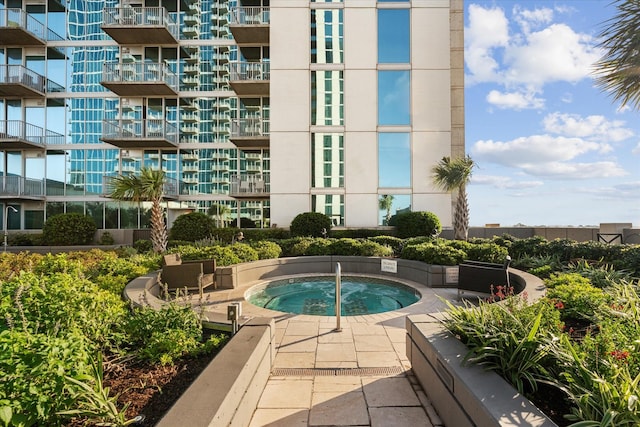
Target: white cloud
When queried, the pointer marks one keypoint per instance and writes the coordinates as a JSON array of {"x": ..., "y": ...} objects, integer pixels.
[
  {"x": 504, "y": 182},
  {"x": 533, "y": 149},
  {"x": 594, "y": 127},
  {"x": 529, "y": 18},
  {"x": 566, "y": 170},
  {"x": 488, "y": 29},
  {"x": 627, "y": 190},
  {"x": 514, "y": 100}
]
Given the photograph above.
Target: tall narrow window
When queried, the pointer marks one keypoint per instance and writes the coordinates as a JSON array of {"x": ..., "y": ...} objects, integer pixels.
[
  {"x": 327, "y": 36},
  {"x": 327, "y": 97},
  {"x": 327, "y": 160},
  {"x": 394, "y": 160},
  {"x": 393, "y": 36},
  {"x": 332, "y": 205},
  {"x": 394, "y": 101}
]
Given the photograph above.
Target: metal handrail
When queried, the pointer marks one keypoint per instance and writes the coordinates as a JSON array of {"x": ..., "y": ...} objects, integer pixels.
[
  {"x": 139, "y": 72},
  {"x": 241, "y": 71},
  {"x": 140, "y": 16},
  {"x": 250, "y": 127},
  {"x": 250, "y": 15},
  {"x": 140, "y": 128}
]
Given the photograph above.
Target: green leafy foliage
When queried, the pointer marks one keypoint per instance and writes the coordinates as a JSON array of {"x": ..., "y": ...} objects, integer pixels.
[
  {"x": 224, "y": 255},
  {"x": 266, "y": 249},
  {"x": 487, "y": 252},
  {"x": 191, "y": 227},
  {"x": 310, "y": 224},
  {"x": 69, "y": 229},
  {"x": 411, "y": 224},
  {"x": 579, "y": 298},
  {"x": 106, "y": 239},
  {"x": 395, "y": 243},
  {"x": 434, "y": 253},
  {"x": 244, "y": 252}
]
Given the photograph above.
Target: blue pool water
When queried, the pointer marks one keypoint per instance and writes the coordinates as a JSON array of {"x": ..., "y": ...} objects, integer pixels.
[{"x": 316, "y": 295}]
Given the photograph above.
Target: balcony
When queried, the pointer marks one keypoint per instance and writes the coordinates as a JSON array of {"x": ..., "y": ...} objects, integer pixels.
[
  {"x": 169, "y": 189},
  {"x": 140, "y": 25},
  {"x": 139, "y": 79},
  {"x": 249, "y": 78},
  {"x": 250, "y": 24},
  {"x": 20, "y": 188},
  {"x": 20, "y": 135},
  {"x": 18, "y": 28},
  {"x": 139, "y": 133},
  {"x": 17, "y": 81},
  {"x": 249, "y": 186},
  {"x": 250, "y": 134}
]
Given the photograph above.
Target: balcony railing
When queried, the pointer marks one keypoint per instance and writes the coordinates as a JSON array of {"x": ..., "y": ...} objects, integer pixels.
[
  {"x": 249, "y": 185},
  {"x": 138, "y": 78},
  {"x": 249, "y": 71},
  {"x": 125, "y": 132},
  {"x": 142, "y": 22},
  {"x": 19, "y": 186},
  {"x": 251, "y": 127},
  {"x": 29, "y": 30},
  {"x": 20, "y": 134},
  {"x": 250, "y": 15}
]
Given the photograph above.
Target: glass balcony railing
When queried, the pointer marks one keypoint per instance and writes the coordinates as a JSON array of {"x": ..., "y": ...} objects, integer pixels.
[
  {"x": 26, "y": 135},
  {"x": 249, "y": 185},
  {"x": 147, "y": 74}
]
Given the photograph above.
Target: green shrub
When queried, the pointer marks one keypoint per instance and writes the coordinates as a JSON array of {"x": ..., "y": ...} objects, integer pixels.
[
  {"x": 575, "y": 294},
  {"x": 20, "y": 239},
  {"x": 106, "y": 239},
  {"x": 411, "y": 224},
  {"x": 345, "y": 247},
  {"x": 597, "y": 251},
  {"x": 600, "y": 276},
  {"x": 223, "y": 255},
  {"x": 301, "y": 246},
  {"x": 191, "y": 227},
  {"x": 369, "y": 248},
  {"x": 319, "y": 247},
  {"x": 630, "y": 259},
  {"x": 531, "y": 246},
  {"x": 560, "y": 248},
  {"x": 69, "y": 229},
  {"x": 310, "y": 224},
  {"x": 488, "y": 252},
  {"x": 247, "y": 222},
  {"x": 434, "y": 254},
  {"x": 244, "y": 252},
  {"x": 266, "y": 250},
  {"x": 143, "y": 245},
  {"x": 395, "y": 243}
]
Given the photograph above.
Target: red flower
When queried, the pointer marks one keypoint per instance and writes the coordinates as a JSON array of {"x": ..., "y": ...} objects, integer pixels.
[
  {"x": 620, "y": 354},
  {"x": 559, "y": 305}
]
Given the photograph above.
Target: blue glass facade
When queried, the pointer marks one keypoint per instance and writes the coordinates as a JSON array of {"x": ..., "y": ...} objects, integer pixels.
[{"x": 110, "y": 105}]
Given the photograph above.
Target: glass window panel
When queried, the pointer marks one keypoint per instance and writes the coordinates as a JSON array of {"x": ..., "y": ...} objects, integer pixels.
[
  {"x": 327, "y": 168},
  {"x": 390, "y": 205},
  {"x": 393, "y": 36},
  {"x": 327, "y": 42},
  {"x": 96, "y": 211},
  {"x": 75, "y": 207},
  {"x": 394, "y": 160},
  {"x": 33, "y": 220},
  {"x": 332, "y": 205},
  {"x": 326, "y": 98},
  {"x": 394, "y": 97}
]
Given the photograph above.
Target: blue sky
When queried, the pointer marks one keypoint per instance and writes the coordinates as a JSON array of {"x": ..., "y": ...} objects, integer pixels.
[{"x": 551, "y": 148}]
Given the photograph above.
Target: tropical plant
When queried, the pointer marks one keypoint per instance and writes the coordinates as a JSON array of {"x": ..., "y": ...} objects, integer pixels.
[
  {"x": 220, "y": 213},
  {"x": 385, "y": 203},
  {"x": 453, "y": 175},
  {"x": 146, "y": 187},
  {"x": 617, "y": 70}
]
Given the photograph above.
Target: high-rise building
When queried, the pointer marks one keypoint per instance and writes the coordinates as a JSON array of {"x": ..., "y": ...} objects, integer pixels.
[{"x": 257, "y": 110}]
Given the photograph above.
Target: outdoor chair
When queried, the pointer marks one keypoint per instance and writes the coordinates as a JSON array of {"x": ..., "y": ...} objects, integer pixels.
[{"x": 190, "y": 275}]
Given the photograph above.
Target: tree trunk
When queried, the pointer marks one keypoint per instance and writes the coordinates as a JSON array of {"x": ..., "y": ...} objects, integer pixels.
[
  {"x": 461, "y": 216},
  {"x": 158, "y": 228}
]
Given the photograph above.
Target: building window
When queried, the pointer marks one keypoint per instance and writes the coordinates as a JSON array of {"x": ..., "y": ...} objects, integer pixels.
[
  {"x": 327, "y": 98},
  {"x": 327, "y": 160},
  {"x": 394, "y": 160},
  {"x": 390, "y": 205},
  {"x": 394, "y": 36},
  {"x": 394, "y": 100},
  {"x": 327, "y": 37},
  {"x": 332, "y": 205}
]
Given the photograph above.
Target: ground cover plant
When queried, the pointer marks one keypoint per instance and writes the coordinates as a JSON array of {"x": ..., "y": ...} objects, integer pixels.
[
  {"x": 576, "y": 352},
  {"x": 64, "y": 330}
]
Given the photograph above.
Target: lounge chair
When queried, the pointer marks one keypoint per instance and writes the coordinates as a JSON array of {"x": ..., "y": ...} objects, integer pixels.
[{"x": 190, "y": 275}]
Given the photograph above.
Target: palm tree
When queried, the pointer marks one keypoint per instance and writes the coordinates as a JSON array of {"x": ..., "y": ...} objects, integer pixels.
[
  {"x": 385, "y": 203},
  {"x": 146, "y": 187},
  {"x": 453, "y": 175},
  {"x": 618, "y": 71},
  {"x": 220, "y": 212}
]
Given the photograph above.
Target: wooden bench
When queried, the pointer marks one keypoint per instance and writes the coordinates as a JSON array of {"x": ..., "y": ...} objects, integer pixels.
[
  {"x": 482, "y": 277},
  {"x": 190, "y": 275}
]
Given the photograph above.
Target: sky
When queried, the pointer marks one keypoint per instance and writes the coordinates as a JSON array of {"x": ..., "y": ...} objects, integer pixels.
[{"x": 551, "y": 148}]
